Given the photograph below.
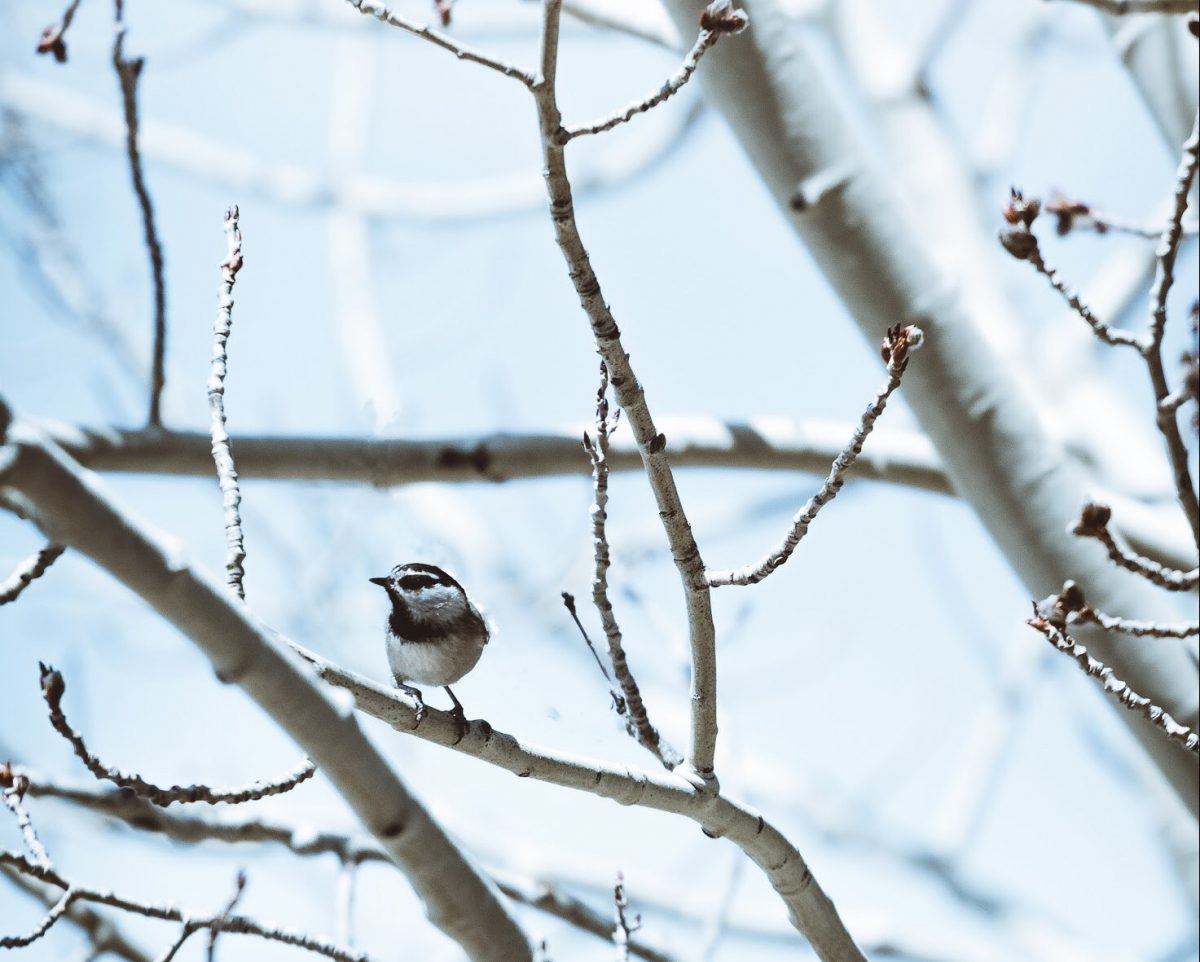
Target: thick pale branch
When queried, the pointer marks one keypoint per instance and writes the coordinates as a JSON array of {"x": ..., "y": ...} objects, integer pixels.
[
  {"x": 809, "y": 907},
  {"x": 70, "y": 503},
  {"x": 860, "y": 231}
]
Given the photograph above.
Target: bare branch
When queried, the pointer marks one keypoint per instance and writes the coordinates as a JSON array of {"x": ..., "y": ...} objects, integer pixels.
[
  {"x": 28, "y": 571},
  {"x": 236, "y": 924},
  {"x": 1119, "y": 690},
  {"x": 1122, "y": 7},
  {"x": 638, "y": 718},
  {"x": 1093, "y": 523},
  {"x": 305, "y": 841},
  {"x": 239, "y": 886},
  {"x": 900, "y": 457},
  {"x": 457, "y": 898},
  {"x": 631, "y": 397},
  {"x": 14, "y": 787},
  {"x": 1168, "y": 249},
  {"x": 57, "y": 911},
  {"x": 128, "y": 72},
  {"x": 809, "y": 908},
  {"x": 896, "y": 348},
  {"x": 619, "y": 704},
  {"x": 53, "y": 687},
  {"x": 1071, "y": 607},
  {"x": 222, "y": 448},
  {"x": 104, "y": 935},
  {"x": 1022, "y": 244},
  {"x": 722, "y": 22},
  {"x": 425, "y": 32},
  {"x": 623, "y": 927}
]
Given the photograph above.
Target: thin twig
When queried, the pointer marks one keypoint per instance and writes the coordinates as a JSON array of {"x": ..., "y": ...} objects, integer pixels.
[
  {"x": 638, "y": 718},
  {"x": 27, "y": 571},
  {"x": 631, "y": 397},
  {"x": 193, "y": 827},
  {"x": 1122, "y": 7},
  {"x": 1077, "y": 215},
  {"x": 222, "y": 447},
  {"x": 1168, "y": 250},
  {"x": 731, "y": 22},
  {"x": 128, "y": 72},
  {"x": 1119, "y": 690},
  {"x": 1023, "y": 245},
  {"x": 618, "y": 701},
  {"x": 239, "y": 886},
  {"x": 623, "y": 928},
  {"x": 1093, "y": 523},
  {"x": 380, "y": 12},
  {"x": 897, "y": 346},
  {"x": 53, "y": 688},
  {"x": 1071, "y": 607},
  {"x": 14, "y": 788},
  {"x": 236, "y": 924},
  {"x": 105, "y": 936},
  {"x": 185, "y": 933},
  {"x": 57, "y": 911}
]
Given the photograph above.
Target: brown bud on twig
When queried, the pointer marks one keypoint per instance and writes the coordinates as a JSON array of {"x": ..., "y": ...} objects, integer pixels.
[
  {"x": 1093, "y": 521},
  {"x": 720, "y": 17},
  {"x": 898, "y": 342},
  {"x": 1020, "y": 243},
  {"x": 53, "y": 685},
  {"x": 51, "y": 41}
]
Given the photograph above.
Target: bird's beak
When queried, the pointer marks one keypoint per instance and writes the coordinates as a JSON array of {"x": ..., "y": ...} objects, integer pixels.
[{"x": 382, "y": 582}]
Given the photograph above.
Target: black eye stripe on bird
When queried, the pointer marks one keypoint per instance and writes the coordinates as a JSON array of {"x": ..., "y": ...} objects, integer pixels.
[{"x": 434, "y": 635}]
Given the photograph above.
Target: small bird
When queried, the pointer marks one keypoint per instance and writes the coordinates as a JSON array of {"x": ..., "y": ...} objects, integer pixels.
[{"x": 434, "y": 634}]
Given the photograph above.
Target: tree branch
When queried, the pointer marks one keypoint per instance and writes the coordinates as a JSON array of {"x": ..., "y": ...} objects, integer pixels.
[{"x": 458, "y": 900}]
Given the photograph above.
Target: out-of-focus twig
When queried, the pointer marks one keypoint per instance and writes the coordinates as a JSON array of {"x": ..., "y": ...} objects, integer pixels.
[
  {"x": 128, "y": 73},
  {"x": 28, "y": 571}
]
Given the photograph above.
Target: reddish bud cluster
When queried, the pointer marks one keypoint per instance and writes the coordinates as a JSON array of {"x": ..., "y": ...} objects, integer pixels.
[
  {"x": 1065, "y": 212},
  {"x": 898, "y": 342},
  {"x": 1018, "y": 210}
]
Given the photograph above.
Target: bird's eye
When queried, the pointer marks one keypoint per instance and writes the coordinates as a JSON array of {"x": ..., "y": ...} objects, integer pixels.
[{"x": 413, "y": 582}]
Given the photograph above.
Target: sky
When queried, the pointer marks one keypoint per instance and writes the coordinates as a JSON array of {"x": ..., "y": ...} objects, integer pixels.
[{"x": 858, "y": 685}]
